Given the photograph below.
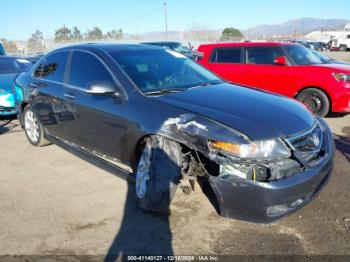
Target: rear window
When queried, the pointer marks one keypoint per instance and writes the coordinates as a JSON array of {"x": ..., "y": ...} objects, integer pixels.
[
  {"x": 13, "y": 65},
  {"x": 54, "y": 67},
  {"x": 226, "y": 55}
]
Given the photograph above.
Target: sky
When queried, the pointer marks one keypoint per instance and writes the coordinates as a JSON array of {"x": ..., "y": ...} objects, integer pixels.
[{"x": 20, "y": 18}]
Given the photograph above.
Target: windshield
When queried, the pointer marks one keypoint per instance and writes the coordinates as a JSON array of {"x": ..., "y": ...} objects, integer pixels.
[
  {"x": 13, "y": 65},
  {"x": 302, "y": 55},
  {"x": 182, "y": 49},
  {"x": 156, "y": 70},
  {"x": 322, "y": 57}
]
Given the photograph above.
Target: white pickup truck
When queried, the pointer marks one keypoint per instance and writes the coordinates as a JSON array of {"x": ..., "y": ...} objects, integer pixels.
[{"x": 343, "y": 44}]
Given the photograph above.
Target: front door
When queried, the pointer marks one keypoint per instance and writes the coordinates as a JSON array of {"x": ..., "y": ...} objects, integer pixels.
[
  {"x": 261, "y": 71},
  {"x": 100, "y": 123}
]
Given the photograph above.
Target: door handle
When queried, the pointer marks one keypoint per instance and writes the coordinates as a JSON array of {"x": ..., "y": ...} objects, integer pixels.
[{"x": 69, "y": 96}]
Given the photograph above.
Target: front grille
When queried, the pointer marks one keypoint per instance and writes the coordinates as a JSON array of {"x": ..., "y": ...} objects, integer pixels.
[{"x": 308, "y": 144}]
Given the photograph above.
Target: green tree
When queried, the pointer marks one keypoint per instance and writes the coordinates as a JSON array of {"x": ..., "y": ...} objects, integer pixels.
[
  {"x": 9, "y": 46},
  {"x": 77, "y": 36},
  {"x": 63, "y": 34},
  {"x": 94, "y": 34},
  {"x": 231, "y": 34},
  {"x": 114, "y": 34},
  {"x": 35, "y": 42}
]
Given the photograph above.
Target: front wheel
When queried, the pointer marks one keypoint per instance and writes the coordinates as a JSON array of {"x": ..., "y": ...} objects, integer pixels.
[
  {"x": 316, "y": 100},
  {"x": 33, "y": 128},
  {"x": 158, "y": 174}
]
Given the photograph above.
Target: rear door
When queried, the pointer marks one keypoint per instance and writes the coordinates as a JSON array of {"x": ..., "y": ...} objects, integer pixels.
[
  {"x": 48, "y": 90},
  {"x": 227, "y": 63},
  {"x": 261, "y": 71}
]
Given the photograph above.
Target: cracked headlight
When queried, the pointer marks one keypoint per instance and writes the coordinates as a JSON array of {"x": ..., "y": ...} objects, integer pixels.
[{"x": 274, "y": 148}]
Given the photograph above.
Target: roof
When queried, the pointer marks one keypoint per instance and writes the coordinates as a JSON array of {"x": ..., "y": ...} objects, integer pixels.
[
  {"x": 111, "y": 47},
  {"x": 239, "y": 44},
  {"x": 162, "y": 43}
]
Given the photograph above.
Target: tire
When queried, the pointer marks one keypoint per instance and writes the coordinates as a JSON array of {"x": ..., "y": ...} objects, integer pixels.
[
  {"x": 316, "y": 100},
  {"x": 343, "y": 48},
  {"x": 158, "y": 174},
  {"x": 33, "y": 128}
]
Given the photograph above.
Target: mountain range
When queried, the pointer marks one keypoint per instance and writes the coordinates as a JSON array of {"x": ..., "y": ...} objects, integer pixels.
[{"x": 299, "y": 26}]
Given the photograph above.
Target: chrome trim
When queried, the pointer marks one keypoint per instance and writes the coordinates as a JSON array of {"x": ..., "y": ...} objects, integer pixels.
[
  {"x": 111, "y": 160},
  {"x": 70, "y": 52}
]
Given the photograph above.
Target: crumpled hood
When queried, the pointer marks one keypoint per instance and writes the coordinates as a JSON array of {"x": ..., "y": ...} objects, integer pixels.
[
  {"x": 257, "y": 114},
  {"x": 6, "y": 81}
]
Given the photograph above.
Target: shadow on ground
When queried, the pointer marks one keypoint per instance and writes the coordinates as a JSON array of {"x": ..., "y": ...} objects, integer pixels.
[
  {"x": 342, "y": 143},
  {"x": 7, "y": 124},
  {"x": 141, "y": 233},
  {"x": 146, "y": 233},
  {"x": 337, "y": 115}
]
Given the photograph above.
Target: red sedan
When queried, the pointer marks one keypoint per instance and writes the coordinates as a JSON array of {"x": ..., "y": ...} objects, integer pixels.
[{"x": 285, "y": 68}]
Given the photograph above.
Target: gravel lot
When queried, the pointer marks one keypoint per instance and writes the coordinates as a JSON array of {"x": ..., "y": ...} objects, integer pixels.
[
  {"x": 52, "y": 202},
  {"x": 344, "y": 56}
]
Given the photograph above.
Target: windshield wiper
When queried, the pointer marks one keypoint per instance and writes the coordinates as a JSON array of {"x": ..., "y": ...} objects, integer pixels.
[
  {"x": 164, "y": 91},
  {"x": 208, "y": 83}
]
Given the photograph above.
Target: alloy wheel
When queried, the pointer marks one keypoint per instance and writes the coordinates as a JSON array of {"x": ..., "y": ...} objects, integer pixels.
[
  {"x": 31, "y": 126},
  {"x": 313, "y": 102}
]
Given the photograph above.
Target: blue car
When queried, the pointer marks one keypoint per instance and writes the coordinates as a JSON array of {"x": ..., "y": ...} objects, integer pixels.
[
  {"x": 2, "y": 50},
  {"x": 9, "y": 69}
]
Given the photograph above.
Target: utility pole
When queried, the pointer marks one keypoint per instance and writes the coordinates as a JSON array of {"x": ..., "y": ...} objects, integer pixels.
[{"x": 166, "y": 20}]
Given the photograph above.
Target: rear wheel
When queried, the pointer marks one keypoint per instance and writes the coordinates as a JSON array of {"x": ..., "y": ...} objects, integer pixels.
[
  {"x": 316, "y": 100},
  {"x": 33, "y": 128},
  {"x": 158, "y": 174}
]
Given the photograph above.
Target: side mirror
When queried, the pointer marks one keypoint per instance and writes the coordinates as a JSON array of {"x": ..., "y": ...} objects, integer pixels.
[
  {"x": 280, "y": 60},
  {"x": 102, "y": 88},
  {"x": 197, "y": 56}
]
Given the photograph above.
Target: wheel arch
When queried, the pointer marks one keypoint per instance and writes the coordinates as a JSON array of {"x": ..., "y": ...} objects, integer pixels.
[
  {"x": 141, "y": 143},
  {"x": 20, "y": 111},
  {"x": 319, "y": 88}
]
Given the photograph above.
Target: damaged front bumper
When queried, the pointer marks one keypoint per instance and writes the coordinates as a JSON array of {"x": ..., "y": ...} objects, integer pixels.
[
  {"x": 7, "y": 104},
  {"x": 265, "y": 202}
]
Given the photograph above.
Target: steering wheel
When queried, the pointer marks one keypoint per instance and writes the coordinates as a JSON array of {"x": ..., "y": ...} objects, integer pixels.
[{"x": 173, "y": 78}]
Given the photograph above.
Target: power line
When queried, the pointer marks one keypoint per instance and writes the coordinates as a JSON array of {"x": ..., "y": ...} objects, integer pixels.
[{"x": 139, "y": 17}]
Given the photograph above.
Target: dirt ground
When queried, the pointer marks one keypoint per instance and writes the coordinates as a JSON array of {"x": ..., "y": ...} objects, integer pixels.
[
  {"x": 344, "y": 56},
  {"x": 53, "y": 203}
]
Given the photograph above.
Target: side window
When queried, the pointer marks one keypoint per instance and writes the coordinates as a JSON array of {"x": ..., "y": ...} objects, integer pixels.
[
  {"x": 262, "y": 56},
  {"x": 53, "y": 67},
  {"x": 38, "y": 70},
  {"x": 226, "y": 55},
  {"x": 85, "y": 68}
]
